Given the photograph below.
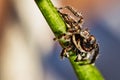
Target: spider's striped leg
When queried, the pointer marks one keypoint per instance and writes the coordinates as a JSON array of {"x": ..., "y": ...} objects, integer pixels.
[
  {"x": 65, "y": 52},
  {"x": 77, "y": 14},
  {"x": 80, "y": 20},
  {"x": 95, "y": 54}
]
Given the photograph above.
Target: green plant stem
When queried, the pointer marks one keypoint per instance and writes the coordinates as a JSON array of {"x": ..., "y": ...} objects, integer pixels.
[{"x": 83, "y": 72}]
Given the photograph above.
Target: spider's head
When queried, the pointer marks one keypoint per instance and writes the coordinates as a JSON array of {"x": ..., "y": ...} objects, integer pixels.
[{"x": 89, "y": 42}]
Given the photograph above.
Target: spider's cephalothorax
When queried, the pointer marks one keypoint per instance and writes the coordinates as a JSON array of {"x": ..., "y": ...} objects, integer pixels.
[{"x": 79, "y": 39}]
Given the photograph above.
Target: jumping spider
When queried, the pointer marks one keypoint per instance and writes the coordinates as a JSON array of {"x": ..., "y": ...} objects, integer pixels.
[{"x": 79, "y": 39}]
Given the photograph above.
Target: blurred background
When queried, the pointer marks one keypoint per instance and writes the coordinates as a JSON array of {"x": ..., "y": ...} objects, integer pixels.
[{"x": 27, "y": 49}]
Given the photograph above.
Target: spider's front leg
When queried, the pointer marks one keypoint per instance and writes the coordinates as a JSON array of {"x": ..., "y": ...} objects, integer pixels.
[{"x": 95, "y": 54}]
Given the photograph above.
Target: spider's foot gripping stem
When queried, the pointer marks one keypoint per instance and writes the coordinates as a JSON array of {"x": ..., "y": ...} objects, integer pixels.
[
  {"x": 78, "y": 58},
  {"x": 64, "y": 53}
]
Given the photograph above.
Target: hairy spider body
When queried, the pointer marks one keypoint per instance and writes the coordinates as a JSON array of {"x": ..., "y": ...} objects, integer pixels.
[
  {"x": 87, "y": 46},
  {"x": 79, "y": 40}
]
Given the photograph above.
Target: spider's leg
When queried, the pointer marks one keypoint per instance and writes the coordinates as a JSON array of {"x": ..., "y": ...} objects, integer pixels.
[
  {"x": 77, "y": 44},
  {"x": 75, "y": 23},
  {"x": 64, "y": 16},
  {"x": 59, "y": 37},
  {"x": 71, "y": 23},
  {"x": 95, "y": 55},
  {"x": 78, "y": 58},
  {"x": 77, "y": 14},
  {"x": 60, "y": 8},
  {"x": 71, "y": 10},
  {"x": 68, "y": 20},
  {"x": 86, "y": 56},
  {"x": 65, "y": 52}
]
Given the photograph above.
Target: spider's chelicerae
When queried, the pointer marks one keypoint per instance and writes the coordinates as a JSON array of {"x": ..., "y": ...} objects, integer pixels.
[{"x": 79, "y": 39}]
